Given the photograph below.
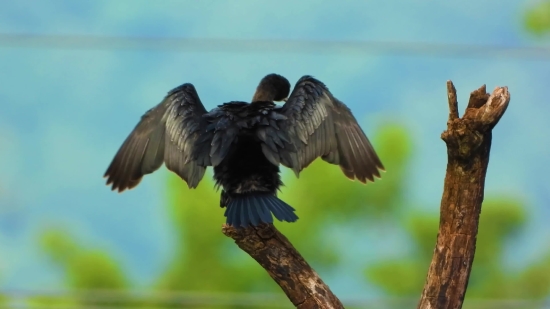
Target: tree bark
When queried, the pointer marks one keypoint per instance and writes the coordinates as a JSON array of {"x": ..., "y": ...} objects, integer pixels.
[
  {"x": 285, "y": 265},
  {"x": 468, "y": 142}
]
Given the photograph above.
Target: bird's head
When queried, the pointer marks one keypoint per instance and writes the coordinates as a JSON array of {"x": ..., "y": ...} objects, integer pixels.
[{"x": 272, "y": 87}]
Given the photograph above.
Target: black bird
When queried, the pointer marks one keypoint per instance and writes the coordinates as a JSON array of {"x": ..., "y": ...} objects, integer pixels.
[{"x": 245, "y": 143}]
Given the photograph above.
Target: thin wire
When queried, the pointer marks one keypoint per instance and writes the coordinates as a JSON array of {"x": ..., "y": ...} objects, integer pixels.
[
  {"x": 271, "y": 300},
  {"x": 90, "y": 42}
]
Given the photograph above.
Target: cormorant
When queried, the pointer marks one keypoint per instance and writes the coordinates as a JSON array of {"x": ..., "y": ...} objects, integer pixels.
[{"x": 245, "y": 143}]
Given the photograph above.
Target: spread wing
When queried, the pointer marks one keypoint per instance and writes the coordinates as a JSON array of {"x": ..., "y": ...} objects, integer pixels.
[
  {"x": 165, "y": 134},
  {"x": 322, "y": 126}
]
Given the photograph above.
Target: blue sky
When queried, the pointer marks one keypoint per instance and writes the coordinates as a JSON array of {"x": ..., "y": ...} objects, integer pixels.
[{"x": 64, "y": 112}]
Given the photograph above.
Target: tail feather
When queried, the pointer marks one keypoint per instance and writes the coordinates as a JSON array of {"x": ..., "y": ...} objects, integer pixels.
[
  {"x": 279, "y": 213},
  {"x": 232, "y": 213},
  {"x": 244, "y": 212},
  {"x": 263, "y": 211},
  {"x": 252, "y": 210},
  {"x": 253, "y": 214}
]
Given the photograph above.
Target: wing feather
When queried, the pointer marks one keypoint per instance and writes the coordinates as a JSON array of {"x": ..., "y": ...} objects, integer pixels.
[
  {"x": 165, "y": 134},
  {"x": 320, "y": 125}
]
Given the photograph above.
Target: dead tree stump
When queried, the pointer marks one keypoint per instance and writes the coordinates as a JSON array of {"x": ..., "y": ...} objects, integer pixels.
[{"x": 468, "y": 142}]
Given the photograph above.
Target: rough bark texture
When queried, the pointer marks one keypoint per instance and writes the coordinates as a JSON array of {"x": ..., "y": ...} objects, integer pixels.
[
  {"x": 468, "y": 142},
  {"x": 285, "y": 265}
]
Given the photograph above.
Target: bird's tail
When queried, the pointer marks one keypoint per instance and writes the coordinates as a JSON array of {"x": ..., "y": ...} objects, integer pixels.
[{"x": 253, "y": 209}]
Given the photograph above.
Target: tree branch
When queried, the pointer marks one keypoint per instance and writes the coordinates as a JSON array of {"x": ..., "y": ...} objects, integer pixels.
[
  {"x": 468, "y": 142},
  {"x": 285, "y": 265}
]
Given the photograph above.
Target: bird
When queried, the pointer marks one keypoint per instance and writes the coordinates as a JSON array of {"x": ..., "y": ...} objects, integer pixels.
[{"x": 245, "y": 144}]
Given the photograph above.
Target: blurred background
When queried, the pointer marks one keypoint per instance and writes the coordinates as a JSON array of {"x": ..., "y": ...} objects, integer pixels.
[{"x": 76, "y": 76}]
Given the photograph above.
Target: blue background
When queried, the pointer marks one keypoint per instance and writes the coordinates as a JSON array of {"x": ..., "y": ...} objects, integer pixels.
[{"x": 66, "y": 106}]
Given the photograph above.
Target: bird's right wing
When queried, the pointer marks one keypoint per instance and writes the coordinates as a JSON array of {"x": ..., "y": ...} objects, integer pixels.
[
  {"x": 322, "y": 126},
  {"x": 165, "y": 134}
]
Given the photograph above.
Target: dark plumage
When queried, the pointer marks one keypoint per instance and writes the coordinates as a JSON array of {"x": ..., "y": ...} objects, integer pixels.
[{"x": 245, "y": 143}]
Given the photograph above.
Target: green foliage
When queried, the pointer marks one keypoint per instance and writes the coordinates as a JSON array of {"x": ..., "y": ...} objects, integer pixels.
[
  {"x": 502, "y": 218},
  {"x": 205, "y": 260},
  {"x": 537, "y": 18},
  {"x": 84, "y": 269}
]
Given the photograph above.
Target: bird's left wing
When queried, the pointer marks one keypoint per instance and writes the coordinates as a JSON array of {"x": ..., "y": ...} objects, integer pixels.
[
  {"x": 319, "y": 125},
  {"x": 165, "y": 134}
]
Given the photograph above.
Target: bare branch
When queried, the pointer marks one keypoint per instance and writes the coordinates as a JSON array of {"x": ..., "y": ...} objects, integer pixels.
[
  {"x": 468, "y": 142},
  {"x": 285, "y": 265},
  {"x": 453, "y": 103}
]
